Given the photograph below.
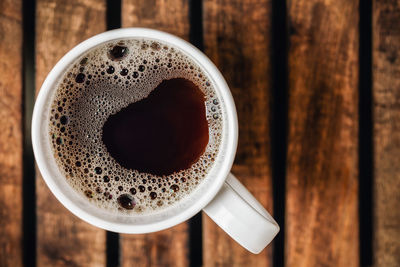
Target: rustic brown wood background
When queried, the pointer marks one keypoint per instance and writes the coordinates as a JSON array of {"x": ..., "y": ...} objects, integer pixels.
[{"x": 317, "y": 89}]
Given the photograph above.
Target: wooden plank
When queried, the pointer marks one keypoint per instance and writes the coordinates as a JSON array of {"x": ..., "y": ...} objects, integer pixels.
[
  {"x": 62, "y": 238},
  {"x": 386, "y": 110},
  {"x": 164, "y": 248},
  {"x": 165, "y": 15},
  {"x": 322, "y": 173},
  {"x": 237, "y": 39},
  {"x": 11, "y": 133},
  {"x": 168, "y": 247}
]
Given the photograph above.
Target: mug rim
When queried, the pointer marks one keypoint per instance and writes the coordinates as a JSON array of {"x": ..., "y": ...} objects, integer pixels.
[{"x": 48, "y": 87}]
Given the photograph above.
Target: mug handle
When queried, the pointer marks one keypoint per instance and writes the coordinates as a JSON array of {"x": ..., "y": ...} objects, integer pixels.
[{"x": 241, "y": 216}]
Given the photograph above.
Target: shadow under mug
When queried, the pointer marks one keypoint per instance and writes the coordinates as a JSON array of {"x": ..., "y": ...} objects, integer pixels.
[{"x": 220, "y": 195}]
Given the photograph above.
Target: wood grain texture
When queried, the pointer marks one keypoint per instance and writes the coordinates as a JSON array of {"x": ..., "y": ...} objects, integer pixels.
[
  {"x": 236, "y": 38},
  {"x": 322, "y": 183},
  {"x": 165, "y": 15},
  {"x": 168, "y": 247},
  {"x": 164, "y": 248},
  {"x": 386, "y": 110},
  {"x": 11, "y": 133},
  {"x": 62, "y": 238}
]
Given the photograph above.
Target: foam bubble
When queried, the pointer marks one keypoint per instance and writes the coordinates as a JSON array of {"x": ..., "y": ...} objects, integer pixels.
[{"x": 102, "y": 82}]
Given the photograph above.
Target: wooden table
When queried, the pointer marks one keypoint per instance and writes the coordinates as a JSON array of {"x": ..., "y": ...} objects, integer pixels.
[{"x": 317, "y": 89}]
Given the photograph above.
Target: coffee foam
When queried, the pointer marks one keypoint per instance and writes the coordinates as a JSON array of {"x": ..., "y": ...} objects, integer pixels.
[{"x": 98, "y": 85}]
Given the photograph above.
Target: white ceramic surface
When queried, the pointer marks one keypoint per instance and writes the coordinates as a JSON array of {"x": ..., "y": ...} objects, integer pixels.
[{"x": 224, "y": 199}]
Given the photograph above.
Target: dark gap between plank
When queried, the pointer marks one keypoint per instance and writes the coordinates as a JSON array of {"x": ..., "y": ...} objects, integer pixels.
[
  {"x": 113, "y": 19},
  {"x": 196, "y": 23},
  {"x": 113, "y": 14},
  {"x": 196, "y": 241},
  {"x": 28, "y": 100},
  {"x": 195, "y": 223},
  {"x": 112, "y": 248},
  {"x": 365, "y": 143},
  {"x": 279, "y": 122}
]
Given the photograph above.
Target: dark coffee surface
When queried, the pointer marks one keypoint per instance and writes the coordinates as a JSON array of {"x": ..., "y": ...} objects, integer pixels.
[{"x": 161, "y": 134}]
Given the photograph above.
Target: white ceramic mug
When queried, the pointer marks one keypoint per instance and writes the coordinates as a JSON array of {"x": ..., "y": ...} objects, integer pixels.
[{"x": 220, "y": 194}]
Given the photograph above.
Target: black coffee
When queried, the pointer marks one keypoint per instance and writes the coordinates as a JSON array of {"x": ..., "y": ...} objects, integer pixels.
[
  {"x": 135, "y": 125},
  {"x": 161, "y": 134}
]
